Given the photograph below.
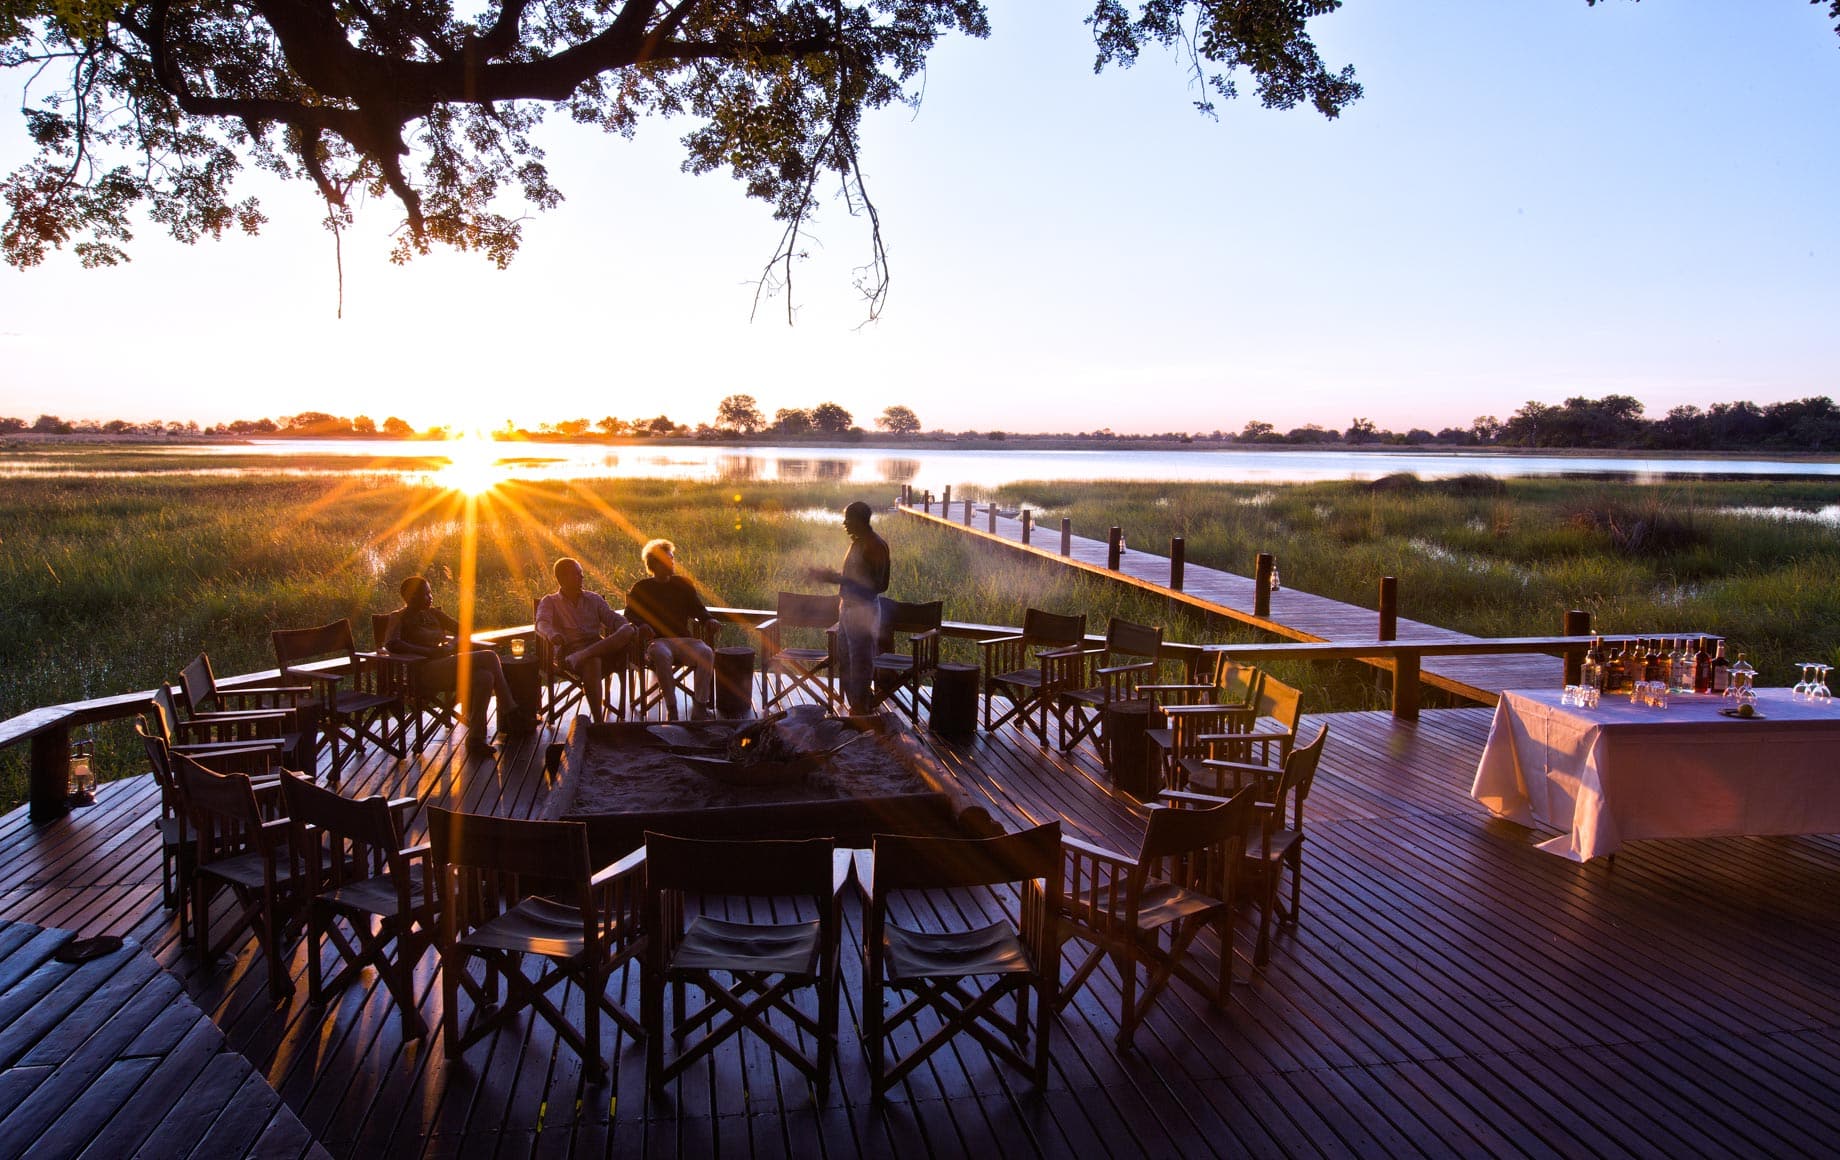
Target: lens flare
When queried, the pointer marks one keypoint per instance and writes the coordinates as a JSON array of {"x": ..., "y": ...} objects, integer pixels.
[{"x": 473, "y": 466}]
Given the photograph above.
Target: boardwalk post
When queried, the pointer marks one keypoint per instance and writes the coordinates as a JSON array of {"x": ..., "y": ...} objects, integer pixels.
[
  {"x": 967, "y": 511},
  {"x": 1405, "y": 686},
  {"x": 926, "y": 502},
  {"x": 1178, "y": 558},
  {"x": 1577, "y": 623},
  {"x": 945, "y": 503},
  {"x": 1261, "y": 585},
  {"x": 1111, "y": 548},
  {"x": 1025, "y": 525},
  {"x": 1066, "y": 536},
  {"x": 992, "y": 510},
  {"x": 50, "y": 774},
  {"x": 1389, "y": 608}
]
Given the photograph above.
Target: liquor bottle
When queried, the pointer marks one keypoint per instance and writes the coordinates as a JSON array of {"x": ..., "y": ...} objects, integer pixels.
[
  {"x": 1721, "y": 671},
  {"x": 1680, "y": 668},
  {"x": 1653, "y": 667},
  {"x": 1592, "y": 672},
  {"x": 1702, "y": 669},
  {"x": 1616, "y": 670}
]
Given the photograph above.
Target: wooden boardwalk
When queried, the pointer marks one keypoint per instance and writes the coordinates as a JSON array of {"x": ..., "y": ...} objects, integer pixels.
[
  {"x": 1450, "y": 991},
  {"x": 1295, "y": 615}
]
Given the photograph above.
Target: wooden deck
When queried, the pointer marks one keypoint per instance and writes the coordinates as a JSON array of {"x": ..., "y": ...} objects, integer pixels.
[
  {"x": 1451, "y": 991},
  {"x": 1294, "y": 614}
]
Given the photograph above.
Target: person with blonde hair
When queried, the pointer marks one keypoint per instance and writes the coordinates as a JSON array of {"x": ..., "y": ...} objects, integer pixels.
[{"x": 668, "y": 606}]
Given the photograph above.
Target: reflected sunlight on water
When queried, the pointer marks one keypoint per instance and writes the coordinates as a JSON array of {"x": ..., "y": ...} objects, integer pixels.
[{"x": 477, "y": 464}]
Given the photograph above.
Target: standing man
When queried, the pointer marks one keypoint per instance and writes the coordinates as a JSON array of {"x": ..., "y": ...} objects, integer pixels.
[
  {"x": 573, "y": 622},
  {"x": 863, "y": 578},
  {"x": 668, "y": 604}
]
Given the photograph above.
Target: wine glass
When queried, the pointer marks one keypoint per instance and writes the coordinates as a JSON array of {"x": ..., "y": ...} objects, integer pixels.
[
  {"x": 1820, "y": 691},
  {"x": 1804, "y": 688}
]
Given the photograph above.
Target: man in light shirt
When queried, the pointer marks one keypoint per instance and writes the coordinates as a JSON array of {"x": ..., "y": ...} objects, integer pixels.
[{"x": 582, "y": 630}]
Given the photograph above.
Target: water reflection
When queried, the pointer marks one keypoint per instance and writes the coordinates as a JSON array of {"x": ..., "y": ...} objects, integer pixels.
[
  {"x": 958, "y": 465},
  {"x": 1829, "y": 515}
]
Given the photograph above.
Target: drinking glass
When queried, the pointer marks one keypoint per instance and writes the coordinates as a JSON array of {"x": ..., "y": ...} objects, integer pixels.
[
  {"x": 1820, "y": 691},
  {"x": 1804, "y": 688},
  {"x": 517, "y": 648}
]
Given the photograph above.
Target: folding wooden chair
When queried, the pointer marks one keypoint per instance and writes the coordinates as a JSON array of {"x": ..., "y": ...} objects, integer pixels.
[
  {"x": 422, "y": 705},
  {"x": 203, "y": 699},
  {"x": 1022, "y": 958},
  {"x": 178, "y": 848},
  {"x": 1012, "y": 665},
  {"x": 766, "y": 962},
  {"x": 513, "y": 890},
  {"x": 1276, "y": 841},
  {"x": 787, "y": 667},
  {"x": 908, "y": 670},
  {"x": 646, "y": 694},
  {"x": 1254, "y": 745},
  {"x": 1088, "y": 680},
  {"x": 1190, "y": 711},
  {"x": 359, "y": 700},
  {"x": 562, "y": 690},
  {"x": 242, "y": 734},
  {"x": 366, "y": 893},
  {"x": 240, "y": 850},
  {"x": 1147, "y": 910}
]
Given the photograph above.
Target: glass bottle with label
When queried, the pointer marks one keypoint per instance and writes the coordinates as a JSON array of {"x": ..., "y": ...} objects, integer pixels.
[
  {"x": 1721, "y": 672},
  {"x": 1702, "y": 668}
]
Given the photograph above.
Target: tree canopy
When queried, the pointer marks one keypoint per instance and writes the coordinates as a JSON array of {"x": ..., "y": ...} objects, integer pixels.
[{"x": 157, "y": 105}]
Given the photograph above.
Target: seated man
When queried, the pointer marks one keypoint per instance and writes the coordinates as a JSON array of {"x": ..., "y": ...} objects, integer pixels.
[
  {"x": 582, "y": 629},
  {"x": 666, "y": 603},
  {"x": 422, "y": 630}
]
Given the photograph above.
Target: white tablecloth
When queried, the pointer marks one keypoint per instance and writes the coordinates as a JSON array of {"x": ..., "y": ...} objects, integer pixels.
[{"x": 1621, "y": 772}]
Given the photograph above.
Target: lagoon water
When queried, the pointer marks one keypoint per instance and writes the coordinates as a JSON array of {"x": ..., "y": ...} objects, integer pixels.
[{"x": 932, "y": 467}]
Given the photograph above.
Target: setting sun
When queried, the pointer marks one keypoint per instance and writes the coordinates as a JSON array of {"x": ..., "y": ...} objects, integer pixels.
[{"x": 472, "y": 465}]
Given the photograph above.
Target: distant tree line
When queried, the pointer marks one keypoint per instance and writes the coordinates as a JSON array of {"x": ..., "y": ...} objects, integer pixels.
[{"x": 1614, "y": 422}]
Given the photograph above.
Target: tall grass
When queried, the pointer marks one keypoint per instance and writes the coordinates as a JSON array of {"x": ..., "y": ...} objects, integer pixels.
[{"x": 113, "y": 583}]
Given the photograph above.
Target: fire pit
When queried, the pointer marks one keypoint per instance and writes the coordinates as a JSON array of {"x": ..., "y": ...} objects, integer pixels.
[{"x": 802, "y": 775}]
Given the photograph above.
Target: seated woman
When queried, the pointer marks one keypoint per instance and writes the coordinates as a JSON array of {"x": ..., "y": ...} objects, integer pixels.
[
  {"x": 666, "y": 603},
  {"x": 422, "y": 630}
]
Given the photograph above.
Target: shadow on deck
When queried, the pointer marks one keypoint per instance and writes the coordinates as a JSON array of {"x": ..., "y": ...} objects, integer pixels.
[{"x": 1451, "y": 990}]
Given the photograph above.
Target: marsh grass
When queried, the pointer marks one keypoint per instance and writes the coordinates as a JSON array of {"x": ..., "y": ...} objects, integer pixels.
[{"x": 113, "y": 582}]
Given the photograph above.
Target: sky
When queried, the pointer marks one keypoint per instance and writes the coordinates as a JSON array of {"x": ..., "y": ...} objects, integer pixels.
[{"x": 1534, "y": 200}]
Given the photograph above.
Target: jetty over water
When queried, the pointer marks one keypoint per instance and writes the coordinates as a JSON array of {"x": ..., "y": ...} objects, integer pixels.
[{"x": 1293, "y": 615}]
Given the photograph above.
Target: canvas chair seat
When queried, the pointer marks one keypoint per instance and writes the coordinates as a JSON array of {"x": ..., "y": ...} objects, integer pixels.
[
  {"x": 246, "y": 869},
  {"x": 537, "y": 925},
  {"x": 718, "y": 944},
  {"x": 987, "y": 950},
  {"x": 376, "y": 895}
]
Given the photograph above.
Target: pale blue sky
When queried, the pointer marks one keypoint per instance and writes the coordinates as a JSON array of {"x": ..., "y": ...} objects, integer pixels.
[{"x": 1535, "y": 199}]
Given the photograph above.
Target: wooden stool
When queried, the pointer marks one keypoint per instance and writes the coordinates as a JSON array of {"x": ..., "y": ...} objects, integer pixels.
[
  {"x": 1123, "y": 740},
  {"x": 955, "y": 693},
  {"x": 735, "y": 682}
]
